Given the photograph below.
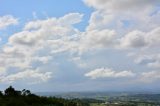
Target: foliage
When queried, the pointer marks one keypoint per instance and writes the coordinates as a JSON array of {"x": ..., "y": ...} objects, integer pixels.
[{"x": 12, "y": 97}]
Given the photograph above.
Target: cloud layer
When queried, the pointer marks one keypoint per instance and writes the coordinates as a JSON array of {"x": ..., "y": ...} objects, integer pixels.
[{"x": 113, "y": 27}]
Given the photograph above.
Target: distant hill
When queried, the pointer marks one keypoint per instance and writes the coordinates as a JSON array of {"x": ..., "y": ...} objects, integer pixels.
[{"x": 12, "y": 97}]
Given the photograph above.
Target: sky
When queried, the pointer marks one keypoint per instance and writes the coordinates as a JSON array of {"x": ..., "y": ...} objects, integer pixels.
[{"x": 80, "y": 45}]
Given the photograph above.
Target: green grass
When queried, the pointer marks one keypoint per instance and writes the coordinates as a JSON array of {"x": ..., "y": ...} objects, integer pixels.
[{"x": 97, "y": 104}]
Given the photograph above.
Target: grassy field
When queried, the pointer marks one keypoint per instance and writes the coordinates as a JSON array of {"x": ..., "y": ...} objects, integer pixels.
[{"x": 97, "y": 104}]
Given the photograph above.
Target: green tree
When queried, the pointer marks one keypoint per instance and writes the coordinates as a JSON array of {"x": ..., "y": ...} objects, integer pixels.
[
  {"x": 26, "y": 92},
  {"x": 1, "y": 94},
  {"x": 10, "y": 91}
]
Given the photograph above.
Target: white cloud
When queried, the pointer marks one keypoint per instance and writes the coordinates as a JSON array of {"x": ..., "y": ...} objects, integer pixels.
[
  {"x": 139, "y": 39},
  {"x": 35, "y": 76},
  {"x": 150, "y": 59},
  {"x": 71, "y": 18},
  {"x": 100, "y": 20},
  {"x": 7, "y": 20},
  {"x": 108, "y": 73},
  {"x": 127, "y": 21},
  {"x": 55, "y": 24},
  {"x": 121, "y": 5},
  {"x": 114, "y": 24},
  {"x": 155, "y": 64},
  {"x": 148, "y": 50},
  {"x": 111, "y": 12},
  {"x": 154, "y": 37},
  {"x": 41, "y": 34},
  {"x": 134, "y": 39},
  {"x": 149, "y": 77},
  {"x": 96, "y": 39},
  {"x": 39, "y": 41}
]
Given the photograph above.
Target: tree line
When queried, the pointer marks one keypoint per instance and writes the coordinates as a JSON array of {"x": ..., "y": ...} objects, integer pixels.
[{"x": 12, "y": 97}]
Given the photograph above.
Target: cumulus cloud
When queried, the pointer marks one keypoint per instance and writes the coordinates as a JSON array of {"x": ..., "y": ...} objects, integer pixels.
[
  {"x": 39, "y": 41},
  {"x": 133, "y": 39},
  {"x": 55, "y": 23},
  {"x": 7, "y": 20},
  {"x": 139, "y": 39},
  {"x": 50, "y": 29},
  {"x": 115, "y": 11},
  {"x": 127, "y": 21},
  {"x": 100, "y": 20},
  {"x": 113, "y": 24},
  {"x": 108, "y": 73},
  {"x": 142, "y": 77},
  {"x": 154, "y": 37},
  {"x": 149, "y": 54},
  {"x": 151, "y": 60},
  {"x": 35, "y": 76},
  {"x": 121, "y": 5},
  {"x": 96, "y": 39}
]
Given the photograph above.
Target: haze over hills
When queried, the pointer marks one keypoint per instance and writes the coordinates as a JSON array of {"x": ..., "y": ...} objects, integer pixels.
[{"x": 92, "y": 94}]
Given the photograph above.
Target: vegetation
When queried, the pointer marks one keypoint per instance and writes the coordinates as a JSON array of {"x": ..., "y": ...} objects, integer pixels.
[
  {"x": 131, "y": 100},
  {"x": 12, "y": 97}
]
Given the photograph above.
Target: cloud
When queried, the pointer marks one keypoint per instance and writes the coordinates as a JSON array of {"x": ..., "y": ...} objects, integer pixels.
[
  {"x": 127, "y": 21},
  {"x": 108, "y": 73},
  {"x": 54, "y": 32},
  {"x": 71, "y": 18},
  {"x": 134, "y": 39},
  {"x": 100, "y": 20},
  {"x": 139, "y": 39},
  {"x": 121, "y": 5},
  {"x": 35, "y": 76},
  {"x": 151, "y": 60},
  {"x": 124, "y": 18},
  {"x": 7, "y": 20},
  {"x": 117, "y": 25},
  {"x": 142, "y": 77},
  {"x": 55, "y": 23},
  {"x": 154, "y": 37},
  {"x": 36, "y": 44},
  {"x": 148, "y": 44},
  {"x": 149, "y": 77},
  {"x": 155, "y": 64},
  {"x": 112, "y": 12},
  {"x": 96, "y": 39}
]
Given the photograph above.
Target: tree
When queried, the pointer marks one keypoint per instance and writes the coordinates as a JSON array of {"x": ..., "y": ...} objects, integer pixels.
[
  {"x": 10, "y": 91},
  {"x": 14, "y": 97},
  {"x": 26, "y": 92},
  {"x": 1, "y": 94}
]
